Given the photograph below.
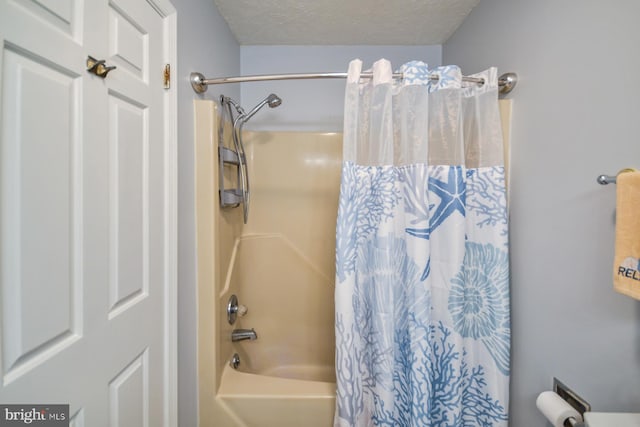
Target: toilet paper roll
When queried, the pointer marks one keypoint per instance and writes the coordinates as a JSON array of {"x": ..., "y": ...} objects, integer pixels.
[{"x": 556, "y": 409}]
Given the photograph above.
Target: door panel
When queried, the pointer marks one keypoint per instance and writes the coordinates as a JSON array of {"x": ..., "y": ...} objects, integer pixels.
[
  {"x": 64, "y": 15},
  {"x": 40, "y": 172},
  {"x": 137, "y": 148},
  {"x": 129, "y": 270},
  {"x": 129, "y": 394},
  {"x": 128, "y": 43},
  {"x": 84, "y": 214}
]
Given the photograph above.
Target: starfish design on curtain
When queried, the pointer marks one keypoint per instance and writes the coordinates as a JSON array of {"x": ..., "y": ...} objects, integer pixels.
[{"x": 452, "y": 194}]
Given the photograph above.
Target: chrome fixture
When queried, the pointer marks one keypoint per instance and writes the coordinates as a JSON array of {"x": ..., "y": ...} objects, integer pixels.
[
  {"x": 199, "y": 83},
  {"x": 606, "y": 179},
  {"x": 234, "y": 197},
  {"x": 506, "y": 82},
  {"x": 573, "y": 399},
  {"x": 243, "y": 334},
  {"x": 609, "y": 179},
  {"x": 235, "y": 361},
  {"x": 234, "y": 309},
  {"x": 272, "y": 100}
]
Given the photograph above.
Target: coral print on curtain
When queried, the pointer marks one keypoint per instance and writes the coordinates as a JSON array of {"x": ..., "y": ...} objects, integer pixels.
[{"x": 422, "y": 275}]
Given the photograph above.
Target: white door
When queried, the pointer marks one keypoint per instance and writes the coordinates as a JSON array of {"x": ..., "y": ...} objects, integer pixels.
[{"x": 87, "y": 210}]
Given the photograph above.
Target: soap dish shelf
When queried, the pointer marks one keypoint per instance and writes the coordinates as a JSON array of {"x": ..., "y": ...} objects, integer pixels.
[{"x": 229, "y": 198}]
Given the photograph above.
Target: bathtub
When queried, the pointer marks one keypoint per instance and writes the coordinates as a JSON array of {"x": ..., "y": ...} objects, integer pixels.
[
  {"x": 259, "y": 400},
  {"x": 286, "y": 376}
]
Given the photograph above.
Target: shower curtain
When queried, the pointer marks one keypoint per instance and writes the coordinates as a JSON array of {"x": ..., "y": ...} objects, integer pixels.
[{"x": 422, "y": 275}]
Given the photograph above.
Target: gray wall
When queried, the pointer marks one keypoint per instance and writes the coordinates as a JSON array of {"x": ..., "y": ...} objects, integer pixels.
[
  {"x": 205, "y": 44},
  {"x": 315, "y": 105},
  {"x": 575, "y": 115}
]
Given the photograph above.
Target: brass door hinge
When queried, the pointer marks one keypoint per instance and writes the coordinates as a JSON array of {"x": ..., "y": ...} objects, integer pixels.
[{"x": 167, "y": 76}]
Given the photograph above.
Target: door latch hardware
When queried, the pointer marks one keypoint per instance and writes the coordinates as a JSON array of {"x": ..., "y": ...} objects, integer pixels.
[{"x": 98, "y": 67}]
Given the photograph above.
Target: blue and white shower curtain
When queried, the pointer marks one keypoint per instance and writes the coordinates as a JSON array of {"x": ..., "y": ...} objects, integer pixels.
[{"x": 422, "y": 273}]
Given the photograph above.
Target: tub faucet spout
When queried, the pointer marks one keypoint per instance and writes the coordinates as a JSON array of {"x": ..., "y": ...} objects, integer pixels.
[{"x": 243, "y": 334}]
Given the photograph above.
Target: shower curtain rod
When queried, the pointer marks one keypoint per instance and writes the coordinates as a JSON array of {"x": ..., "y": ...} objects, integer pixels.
[{"x": 506, "y": 82}]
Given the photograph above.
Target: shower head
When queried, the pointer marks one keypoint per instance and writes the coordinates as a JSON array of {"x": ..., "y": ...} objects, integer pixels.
[{"x": 272, "y": 100}]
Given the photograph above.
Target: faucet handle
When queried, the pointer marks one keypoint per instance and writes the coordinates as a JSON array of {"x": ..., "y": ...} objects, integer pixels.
[
  {"x": 235, "y": 309},
  {"x": 242, "y": 310}
]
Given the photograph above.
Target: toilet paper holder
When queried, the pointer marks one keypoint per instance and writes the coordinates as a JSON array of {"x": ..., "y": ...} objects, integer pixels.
[
  {"x": 573, "y": 399},
  {"x": 572, "y": 422}
]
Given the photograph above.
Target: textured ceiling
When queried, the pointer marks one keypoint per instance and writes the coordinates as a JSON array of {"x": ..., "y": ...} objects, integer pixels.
[{"x": 344, "y": 22}]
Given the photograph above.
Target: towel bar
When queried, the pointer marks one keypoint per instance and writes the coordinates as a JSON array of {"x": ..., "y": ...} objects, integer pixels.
[{"x": 606, "y": 179}]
